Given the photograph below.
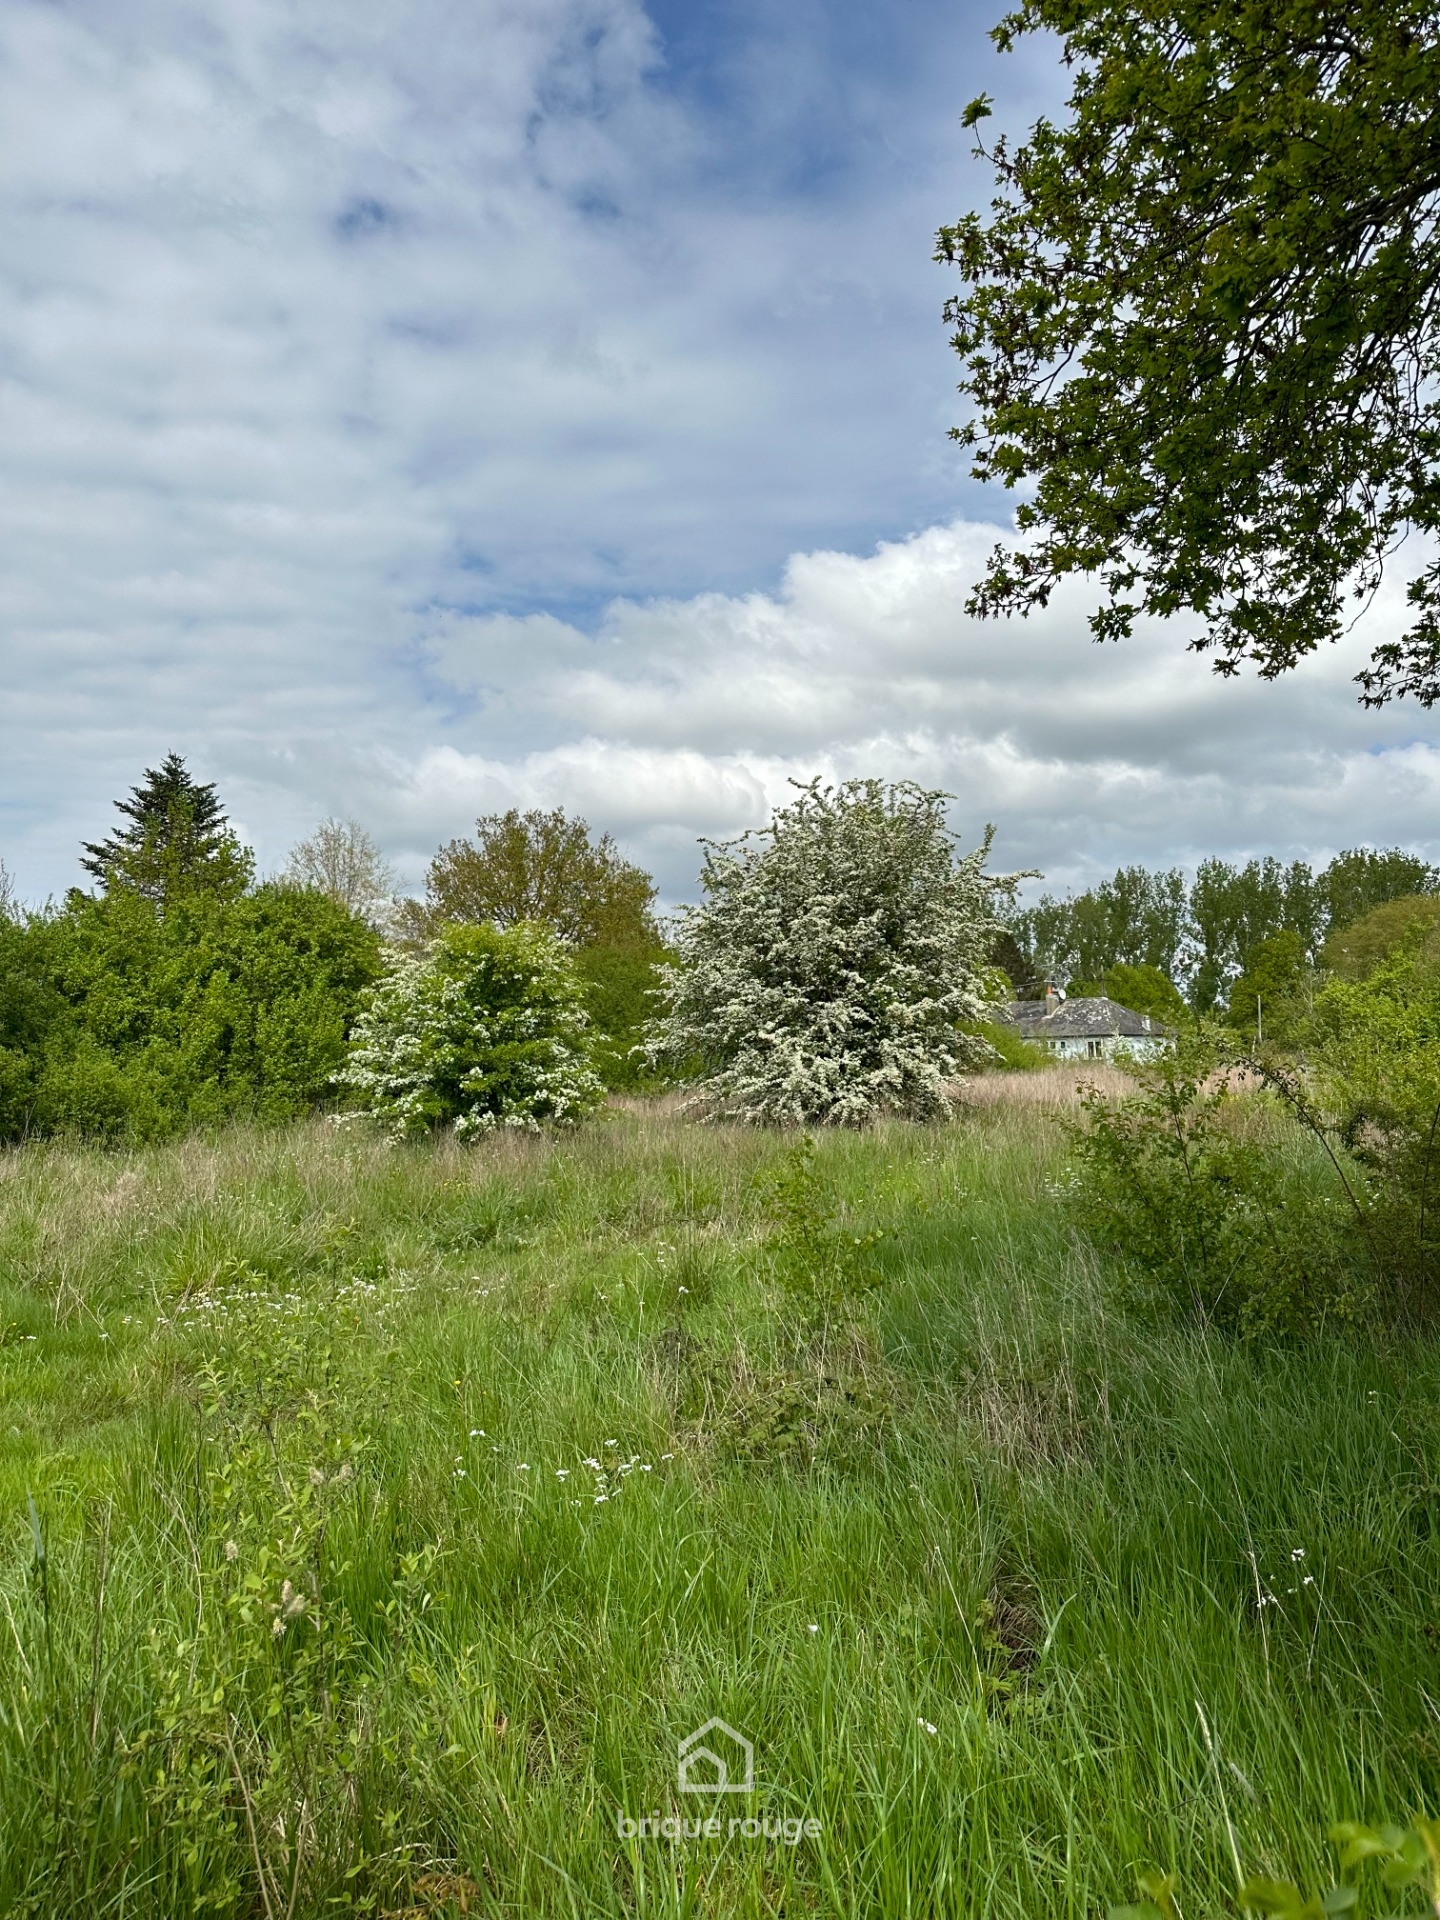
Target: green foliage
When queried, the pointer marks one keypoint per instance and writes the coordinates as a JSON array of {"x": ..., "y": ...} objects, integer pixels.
[
  {"x": 1267, "y": 1001},
  {"x": 548, "y": 869},
  {"x": 487, "y": 1028},
  {"x": 543, "y": 868},
  {"x": 1198, "y": 322},
  {"x": 177, "y": 843},
  {"x": 1136, "y": 919},
  {"x": 1140, "y": 988},
  {"x": 839, "y": 964},
  {"x": 1357, "y": 882},
  {"x": 1408, "y": 1857},
  {"x": 1376, "y": 1045},
  {"x": 124, "y": 1020},
  {"x": 1207, "y": 935},
  {"x": 1235, "y": 909},
  {"x": 1010, "y": 1050},
  {"x": 621, "y": 985},
  {"x": 815, "y": 1258},
  {"x": 1363, "y": 947},
  {"x": 1219, "y": 1214}
]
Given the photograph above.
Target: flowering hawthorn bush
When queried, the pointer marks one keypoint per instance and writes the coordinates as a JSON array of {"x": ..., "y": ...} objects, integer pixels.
[
  {"x": 486, "y": 1028},
  {"x": 838, "y": 958}
]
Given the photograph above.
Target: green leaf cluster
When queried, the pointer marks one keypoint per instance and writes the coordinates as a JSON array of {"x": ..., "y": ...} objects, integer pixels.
[
  {"x": 1199, "y": 323},
  {"x": 484, "y": 1028},
  {"x": 1218, "y": 1203}
]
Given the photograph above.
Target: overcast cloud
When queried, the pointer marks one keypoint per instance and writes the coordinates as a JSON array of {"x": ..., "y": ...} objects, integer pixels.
[{"x": 411, "y": 410}]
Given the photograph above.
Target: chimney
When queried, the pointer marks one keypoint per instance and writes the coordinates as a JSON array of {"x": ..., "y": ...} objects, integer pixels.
[{"x": 1052, "y": 999}]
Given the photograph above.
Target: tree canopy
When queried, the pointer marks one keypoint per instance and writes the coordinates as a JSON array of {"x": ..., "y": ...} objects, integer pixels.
[
  {"x": 1204, "y": 935},
  {"x": 342, "y": 860},
  {"x": 1199, "y": 323},
  {"x": 541, "y": 868}
]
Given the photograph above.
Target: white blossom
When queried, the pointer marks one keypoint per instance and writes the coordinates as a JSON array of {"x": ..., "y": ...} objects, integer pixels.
[
  {"x": 837, "y": 962},
  {"x": 485, "y": 1029}
]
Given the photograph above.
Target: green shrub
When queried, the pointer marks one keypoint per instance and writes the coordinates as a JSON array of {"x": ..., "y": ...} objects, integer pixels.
[
  {"x": 1010, "y": 1047},
  {"x": 815, "y": 1259},
  {"x": 1376, "y": 1047},
  {"x": 486, "y": 1028},
  {"x": 1227, "y": 1207},
  {"x": 1399, "y": 926},
  {"x": 619, "y": 986},
  {"x": 124, "y": 1017}
]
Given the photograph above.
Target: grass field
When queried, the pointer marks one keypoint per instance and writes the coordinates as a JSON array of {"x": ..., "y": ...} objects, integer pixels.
[{"x": 374, "y": 1524}]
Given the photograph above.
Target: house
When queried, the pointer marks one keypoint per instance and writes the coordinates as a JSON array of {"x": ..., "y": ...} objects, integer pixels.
[{"x": 1088, "y": 1028}]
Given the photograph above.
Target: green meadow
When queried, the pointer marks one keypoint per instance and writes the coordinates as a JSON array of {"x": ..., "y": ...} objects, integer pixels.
[{"x": 375, "y": 1523}]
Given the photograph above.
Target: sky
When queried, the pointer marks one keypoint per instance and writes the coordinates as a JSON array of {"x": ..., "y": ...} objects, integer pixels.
[{"x": 413, "y": 410}]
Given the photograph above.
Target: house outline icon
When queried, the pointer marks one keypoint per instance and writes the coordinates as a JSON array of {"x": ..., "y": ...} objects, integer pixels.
[{"x": 694, "y": 1753}]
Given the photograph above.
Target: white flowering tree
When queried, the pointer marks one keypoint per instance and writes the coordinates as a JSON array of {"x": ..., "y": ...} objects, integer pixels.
[
  {"x": 486, "y": 1028},
  {"x": 837, "y": 961}
]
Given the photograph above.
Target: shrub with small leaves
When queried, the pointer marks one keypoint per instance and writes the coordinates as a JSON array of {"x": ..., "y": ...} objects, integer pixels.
[
  {"x": 1219, "y": 1200},
  {"x": 485, "y": 1029}
]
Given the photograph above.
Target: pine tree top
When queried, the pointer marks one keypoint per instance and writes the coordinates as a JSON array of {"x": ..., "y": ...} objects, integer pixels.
[{"x": 178, "y": 839}]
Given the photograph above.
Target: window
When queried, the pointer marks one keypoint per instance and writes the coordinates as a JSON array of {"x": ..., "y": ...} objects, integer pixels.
[{"x": 1095, "y": 1049}]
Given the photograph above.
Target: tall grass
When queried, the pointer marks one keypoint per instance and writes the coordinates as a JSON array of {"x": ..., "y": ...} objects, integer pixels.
[{"x": 312, "y": 1603}]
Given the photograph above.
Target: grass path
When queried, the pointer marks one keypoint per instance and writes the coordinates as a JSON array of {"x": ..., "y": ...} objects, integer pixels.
[{"x": 374, "y": 1524}]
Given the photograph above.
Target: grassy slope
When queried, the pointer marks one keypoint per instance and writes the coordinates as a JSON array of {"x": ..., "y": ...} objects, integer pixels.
[{"x": 984, "y": 1501}]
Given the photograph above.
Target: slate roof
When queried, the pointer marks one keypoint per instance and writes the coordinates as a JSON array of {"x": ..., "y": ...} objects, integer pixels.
[{"x": 1096, "y": 1018}]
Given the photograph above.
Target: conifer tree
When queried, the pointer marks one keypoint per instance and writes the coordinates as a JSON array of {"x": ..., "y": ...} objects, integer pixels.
[{"x": 178, "y": 841}]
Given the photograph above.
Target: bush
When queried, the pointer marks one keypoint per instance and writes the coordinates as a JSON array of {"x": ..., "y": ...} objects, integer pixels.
[
  {"x": 620, "y": 985},
  {"x": 1011, "y": 1050},
  {"x": 486, "y": 1028},
  {"x": 1399, "y": 926},
  {"x": 1376, "y": 1045},
  {"x": 1227, "y": 1207},
  {"x": 836, "y": 961},
  {"x": 122, "y": 1017}
]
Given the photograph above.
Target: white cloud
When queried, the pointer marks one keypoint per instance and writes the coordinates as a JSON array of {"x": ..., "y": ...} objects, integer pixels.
[{"x": 696, "y": 713}]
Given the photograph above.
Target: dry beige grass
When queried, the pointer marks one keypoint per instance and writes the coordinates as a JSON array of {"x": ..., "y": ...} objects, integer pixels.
[{"x": 1053, "y": 1087}]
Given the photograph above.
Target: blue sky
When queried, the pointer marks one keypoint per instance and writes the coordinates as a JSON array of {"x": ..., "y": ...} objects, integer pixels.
[{"x": 415, "y": 410}]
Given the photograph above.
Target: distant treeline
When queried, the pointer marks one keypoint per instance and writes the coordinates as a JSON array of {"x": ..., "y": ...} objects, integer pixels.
[{"x": 1203, "y": 934}]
